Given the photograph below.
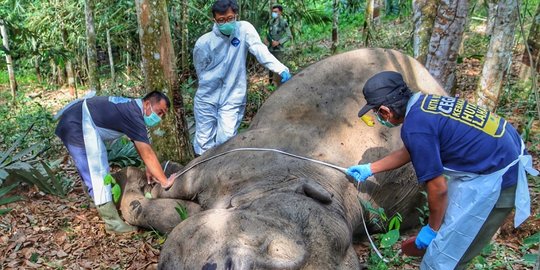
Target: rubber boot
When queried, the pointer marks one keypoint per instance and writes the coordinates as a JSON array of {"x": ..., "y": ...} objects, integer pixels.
[{"x": 113, "y": 222}]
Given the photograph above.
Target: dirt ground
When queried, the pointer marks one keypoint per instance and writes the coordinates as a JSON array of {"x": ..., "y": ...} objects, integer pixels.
[{"x": 47, "y": 232}]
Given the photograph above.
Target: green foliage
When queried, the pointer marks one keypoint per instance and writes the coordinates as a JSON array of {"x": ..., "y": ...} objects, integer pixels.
[
  {"x": 182, "y": 211},
  {"x": 423, "y": 210},
  {"x": 7, "y": 200},
  {"x": 16, "y": 119},
  {"x": 387, "y": 240},
  {"x": 122, "y": 153},
  {"x": 115, "y": 189},
  {"x": 26, "y": 166}
]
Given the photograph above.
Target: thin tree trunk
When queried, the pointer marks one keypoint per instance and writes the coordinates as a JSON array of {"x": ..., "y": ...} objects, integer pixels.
[
  {"x": 534, "y": 45},
  {"x": 424, "y": 13},
  {"x": 159, "y": 70},
  {"x": 71, "y": 79},
  {"x": 54, "y": 73},
  {"x": 61, "y": 75},
  {"x": 9, "y": 60},
  {"x": 91, "y": 50},
  {"x": 111, "y": 59},
  {"x": 499, "y": 55},
  {"x": 36, "y": 60},
  {"x": 445, "y": 40},
  {"x": 128, "y": 57},
  {"x": 69, "y": 66},
  {"x": 185, "y": 36},
  {"x": 368, "y": 21},
  {"x": 335, "y": 26}
]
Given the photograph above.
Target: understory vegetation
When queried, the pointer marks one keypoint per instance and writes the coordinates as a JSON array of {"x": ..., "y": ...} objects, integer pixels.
[{"x": 31, "y": 156}]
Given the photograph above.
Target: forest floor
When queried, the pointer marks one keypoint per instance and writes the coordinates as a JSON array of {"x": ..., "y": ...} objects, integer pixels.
[{"x": 47, "y": 232}]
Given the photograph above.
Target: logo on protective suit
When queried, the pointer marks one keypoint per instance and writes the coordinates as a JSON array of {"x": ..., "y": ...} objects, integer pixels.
[
  {"x": 464, "y": 112},
  {"x": 235, "y": 42}
]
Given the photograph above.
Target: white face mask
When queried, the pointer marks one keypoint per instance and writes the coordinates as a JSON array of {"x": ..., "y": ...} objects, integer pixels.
[{"x": 274, "y": 15}]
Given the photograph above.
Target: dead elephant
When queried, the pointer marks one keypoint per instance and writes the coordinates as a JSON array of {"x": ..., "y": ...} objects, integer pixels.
[{"x": 265, "y": 210}]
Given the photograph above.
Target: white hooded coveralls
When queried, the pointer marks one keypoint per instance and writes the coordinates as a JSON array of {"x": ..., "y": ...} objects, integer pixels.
[{"x": 220, "y": 62}]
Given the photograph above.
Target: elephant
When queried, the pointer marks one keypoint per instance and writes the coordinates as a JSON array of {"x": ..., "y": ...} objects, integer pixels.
[{"x": 266, "y": 209}]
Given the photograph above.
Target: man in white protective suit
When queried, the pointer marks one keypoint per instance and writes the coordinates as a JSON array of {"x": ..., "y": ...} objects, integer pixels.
[
  {"x": 85, "y": 124},
  {"x": 220, "y": 61}
]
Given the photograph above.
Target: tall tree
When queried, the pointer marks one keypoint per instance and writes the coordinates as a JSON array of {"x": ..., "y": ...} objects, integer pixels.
[
  {"x": 499, "y": 54},
  {"x": 424, "y": 13},
  {"x": 111, "y": 58},
  {"x": 335, "y": 26},
  {"x": 185, "y": 35},
  {"x": 9, "y": 59},
  {"x": 159, "y": 70},
  {"x": 368, "y": 21},
  {"x": 91, "y": 47},
  {"x": 445, "y": 40},
  {"x": 533, "y": 42}
]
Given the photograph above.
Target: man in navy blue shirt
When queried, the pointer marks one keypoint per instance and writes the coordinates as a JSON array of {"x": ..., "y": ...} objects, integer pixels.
[
  {"x": 471, "y": 161},
  {"x": 84, "y": 126}
]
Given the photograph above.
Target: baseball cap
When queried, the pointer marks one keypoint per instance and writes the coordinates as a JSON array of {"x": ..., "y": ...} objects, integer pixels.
[{"x": 383, "y": 88}]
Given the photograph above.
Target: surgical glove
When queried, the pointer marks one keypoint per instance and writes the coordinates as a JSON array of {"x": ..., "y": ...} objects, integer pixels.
[
  {"x": 360, "y": 172},
  {"x": 285, "y": 76},
  {"x": 425, "y": 236}
]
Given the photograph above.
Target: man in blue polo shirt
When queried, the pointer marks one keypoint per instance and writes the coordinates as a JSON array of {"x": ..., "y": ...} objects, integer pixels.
[
  {"x": 481, "y": 154},
  {"x": 85, "y": 124}
]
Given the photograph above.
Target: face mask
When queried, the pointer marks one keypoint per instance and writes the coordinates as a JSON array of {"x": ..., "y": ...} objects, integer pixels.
[
  {"x": 152, "y": 119},
  {"x": 385, "y": 122},
  {"x": 227, "y": 28},
  {"x": 274, "y": 15}
]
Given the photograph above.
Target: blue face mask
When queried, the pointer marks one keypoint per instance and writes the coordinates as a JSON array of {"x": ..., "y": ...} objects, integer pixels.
[
  {"x": 152, "y": 119},
  {"x": 385, "y": 122},
  {"x": 274, "y": 15},
  {"x": 227, "y": 28}
]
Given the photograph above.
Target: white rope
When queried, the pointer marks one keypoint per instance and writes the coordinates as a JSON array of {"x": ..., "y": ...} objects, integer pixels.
[{"x": 341, "y": 169}]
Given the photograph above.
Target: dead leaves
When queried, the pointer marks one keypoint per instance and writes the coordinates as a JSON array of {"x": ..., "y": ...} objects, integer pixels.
[{"x": 45, "y": 232}]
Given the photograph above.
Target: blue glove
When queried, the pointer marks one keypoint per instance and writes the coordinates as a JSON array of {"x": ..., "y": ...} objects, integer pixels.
[
  {"x": 425, "y": 236},
  {"x": 360, "y": 172},
  {"x": 285, "y": 76}
]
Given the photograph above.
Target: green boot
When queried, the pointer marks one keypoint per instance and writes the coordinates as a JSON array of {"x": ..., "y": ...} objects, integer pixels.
[{"x": 113, "y": 222}]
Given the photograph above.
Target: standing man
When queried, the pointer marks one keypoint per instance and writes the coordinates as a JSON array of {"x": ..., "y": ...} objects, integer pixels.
[
  {"x": 220, "y": 61},
  {"x": 85, "y": 124},
  {"x": 278, "y": 33},
  {"x": 481, "y": 154}
]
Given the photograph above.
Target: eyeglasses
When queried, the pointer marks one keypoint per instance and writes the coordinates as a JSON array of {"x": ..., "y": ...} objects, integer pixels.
[{"x": 223, "y": 20}]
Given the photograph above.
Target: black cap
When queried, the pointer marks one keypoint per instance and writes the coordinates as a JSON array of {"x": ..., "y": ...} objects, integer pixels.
[{"x": 383, "y": 88}]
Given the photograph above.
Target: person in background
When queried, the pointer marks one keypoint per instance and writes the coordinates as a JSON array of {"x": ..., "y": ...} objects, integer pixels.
[
  {"x": 85, "y": 124},
  {"x": 279, "y": 33},
  {"x": 220, "y": 57},
  {"x": 471, "y": 161}
]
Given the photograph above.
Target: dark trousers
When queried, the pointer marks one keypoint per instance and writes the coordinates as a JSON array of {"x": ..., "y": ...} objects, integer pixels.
[{"x": 274, "y": 78}]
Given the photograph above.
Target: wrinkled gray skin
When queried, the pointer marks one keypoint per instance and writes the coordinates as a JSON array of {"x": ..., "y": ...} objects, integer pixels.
[{"x": 264, "y": 210}]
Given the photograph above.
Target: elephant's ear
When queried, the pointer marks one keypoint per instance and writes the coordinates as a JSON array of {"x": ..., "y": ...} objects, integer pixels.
[{"x": 315, "y": 191}]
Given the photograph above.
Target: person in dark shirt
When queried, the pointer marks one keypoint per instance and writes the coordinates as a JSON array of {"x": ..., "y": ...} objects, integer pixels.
[
  {"x": 85, "y": 124},
  {"x": 471, "y": 161}
]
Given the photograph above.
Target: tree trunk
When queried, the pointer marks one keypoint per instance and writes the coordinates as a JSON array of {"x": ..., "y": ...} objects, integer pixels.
[
  {"x": 91, "y": 50},
  {"x": 159, "y": 70},
  {"x": 35, "y": 61},
  {"x": 54, "y": 71},
  {"x": 368, "y": 21},
  {"x": 185, "y": 36},
  {"x": 534, "y": 45},
  {"x": 71, "y": 79},
  {"x": 69, "y": 66},
  {"x": 424, "y": 12},
  {"x": 61, "y": 75},
  {"x": 445, "y": 40},
  {"x": 128, "y": 57},
  {"x": 111, "y": 59},
  {"x": 335, "y": 26},
  {"x": 499, "y": 55},
  {"x": 492, "y": 16},
  {"x": 9, "y": 60}
]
